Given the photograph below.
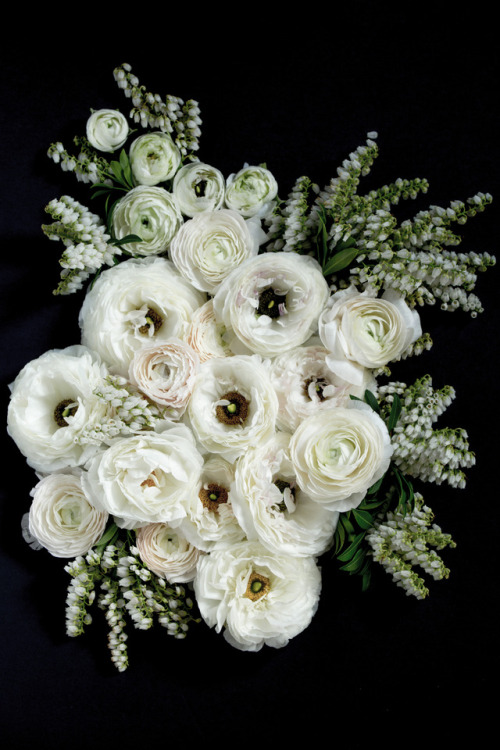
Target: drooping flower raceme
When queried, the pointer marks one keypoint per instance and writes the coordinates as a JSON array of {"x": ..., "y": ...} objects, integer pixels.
[
  {"x": 107, "y": 130},
  {"x": 272, "y": 508},
  {"x": 61, "y": 518},
  {"x": 198, "y": 187},
  {"x": 256, "y": 596},
  {"x": 272, "y": 302},
  {"x": 151, "y": 213},
  {"x": 211, "y": 244},
  {"x": 305, "y": 385},
  {"x": 251, "y": 191},
  {"x": 154, "y": 158},
  {"x": 167, "y": 553},
  {"x": 166, "y": 374},
  {"x": 146, "y": 478},
  {"x": 233, "y": 405},
  {"x": 361, "y": 330},
  {"x": 338, "y": 454},
  {"x": 137, "y": 303},
  {"x": 53, "y": 403}
]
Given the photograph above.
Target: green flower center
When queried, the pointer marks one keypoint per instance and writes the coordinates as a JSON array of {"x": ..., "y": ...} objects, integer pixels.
[
  {"x": 258, "y": 585},
  {"x": 212, "y": 496},
  {"x": 235, "y": 412},
  {"x": 153, "y": 318}
]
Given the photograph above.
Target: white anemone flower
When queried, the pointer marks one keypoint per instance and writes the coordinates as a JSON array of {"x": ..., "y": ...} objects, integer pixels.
[
  {"x": 251, "y": 191},
  {"x": 146, "y": 478},
  {"x": 361, "y": 330},
  {"x": 137, "y": 303},
  {"x": 198, "y": 187},
  {"x": 272, "y": 508},
  {"x": 167, "y": 552},
  {"x": 210, "y": 522},
  {"x": 154, "y": 158},
  {"x": 211, "y": 244},
  {"x": 53, "y": 403},
  {"x": 152, "y": 214},
  {"x": 257, "y": 597},
  {"x": 305, "y": 385},
  {"x": 165, "y": 373},
  {"x": 272, "y": 302},
  {"x": 338, "y": 454},
  {"x": 233, "y": 405},
  {"x": 61, "y": 518}
]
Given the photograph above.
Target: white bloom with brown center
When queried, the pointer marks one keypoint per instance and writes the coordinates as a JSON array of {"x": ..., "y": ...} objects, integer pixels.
[
  {"x": 166, "y": 373},
  {"x": 211, "y": 244},
  {"x": 154, "y": 158},
  {"x": 272, "y": 508},
  {"x": 233, "y": 405},
  {"x": 339, "y": 454},
  {"x": 272, "y": 302},
  {"x": 198, "y": 187},
  {"x": 147, "y": 478},
  {"x": 258, "y": 597},
  {"x": 61, "y": 518},
  {"x": 167, "y": 553},
  {"x": 53, "y": 403},
  {"x": 137, "y": 303}
]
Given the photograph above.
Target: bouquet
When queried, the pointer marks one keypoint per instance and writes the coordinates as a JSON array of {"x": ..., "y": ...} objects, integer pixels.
[{"x": 228, "y": 423}]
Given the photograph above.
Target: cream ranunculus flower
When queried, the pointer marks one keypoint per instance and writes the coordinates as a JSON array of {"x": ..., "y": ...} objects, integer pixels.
[
  {"x": 258, "y": 597},
  {"x": 272, "y": 508},
  {"x": 206, "y": 336},
  {"x": 151, "y": 213},
  {"x": 53, "y": 402},
  {"x": 251, "y": 191},
  {"x": 154, "y": 158},
  {"x": 361, "y": 330},
  {"x": 211, "y": 244},
  {"x": 61, "y": 518},
  {"x": 107, "y": 130},
  {"x": 165, "y": 373},
  {"x": 339, "y": 454},
  {"x": 137, "y": 303},
  {"x": 305, "y": 385},
  {"x": 233, "y": 405},
  {"x": 145, "y": 479},
  {"x": 167, "y": 553},
  {"x": 272, "y": 302},
  {"x": 210, "y": 522},
  {"x": 198, "y": 187}
]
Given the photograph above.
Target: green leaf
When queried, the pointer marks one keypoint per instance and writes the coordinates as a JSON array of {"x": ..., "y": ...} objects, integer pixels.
[
  {"x": 355, "y": 564},
  {"x": 364, "y": 519},
  {"x": 125, "y": 240},
  {"x": 349, "y": 552},
  {"x": 372, "y": 401},
  {"x": 395, "y": 412},
  {"x": 339, "y": 538},
  {"x": 375, "y": 487},
  {"x": 344, "y": 519},
  {"x": 340, "y": 260},
  {"x": 117, "y": 171},
  {"x": 108, "y": 537},
  {"x": 355, "y": 398}
]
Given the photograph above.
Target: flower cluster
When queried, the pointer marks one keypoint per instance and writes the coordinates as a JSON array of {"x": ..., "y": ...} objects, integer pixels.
[{"x": 221, "y": 425}]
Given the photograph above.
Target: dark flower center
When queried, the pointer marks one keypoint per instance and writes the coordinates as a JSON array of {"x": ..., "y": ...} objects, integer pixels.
[
  {"x": 212, "y": 496},
  {"x": 153, "y": 318},
  {"x": 282, "y": 485},
  {"x": 257, "y": 586},
  {"x": 64, "y": 409},
  {"x": 319, "y": 385},
  {"x": 269, "y": 302},
  {"x": 200, "y": 188},
  {"x": 235, "y": 412}
]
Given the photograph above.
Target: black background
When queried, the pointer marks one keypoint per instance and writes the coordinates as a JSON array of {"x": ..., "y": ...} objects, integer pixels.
[{"x": 377, "y": 667}]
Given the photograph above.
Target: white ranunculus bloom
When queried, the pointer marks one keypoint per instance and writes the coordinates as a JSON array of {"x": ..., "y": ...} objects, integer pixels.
[
  {"x": 61, "y": 518},
  {"x": 154, "y": 158},
  {"x": 137, "y": 303},
  {"x": 272, "y": 508},
  {"x": 147, "y": 478},
  {"x": 211, "y": 244},
  {"x": 258, "y": 597},
  {"x": 206, "y": 336},
  {"x": 305, "y": 385},
  {"x": 53, "y": 402},
  {"x": 151, "y": 213},
  {"x": 167, "y": 553},
  {"x": 233, "y": 405},
  {"x": 339, "y": 454},
  {"x": 210, "y": 522},
  {"x": 165, "y": 373},
  {"x": 107, "y": 130},
  {"x": 198, "y": 187},
  {"x": 361, "y": 330},
  {"x": 251, "y": 191},
  {"x": 272, "y": 302}
]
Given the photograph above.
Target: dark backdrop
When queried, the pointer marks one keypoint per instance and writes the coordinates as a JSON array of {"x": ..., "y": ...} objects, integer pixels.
[{"x": 374, "y": 667}]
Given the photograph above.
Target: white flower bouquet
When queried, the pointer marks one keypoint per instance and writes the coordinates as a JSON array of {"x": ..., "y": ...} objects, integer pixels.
[{"x": 228, "y": 424}]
